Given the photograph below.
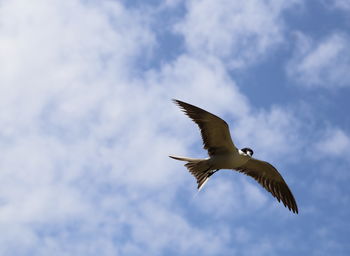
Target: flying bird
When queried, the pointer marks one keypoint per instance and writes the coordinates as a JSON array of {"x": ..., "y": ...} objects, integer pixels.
[{"x": 223, "y": 154}]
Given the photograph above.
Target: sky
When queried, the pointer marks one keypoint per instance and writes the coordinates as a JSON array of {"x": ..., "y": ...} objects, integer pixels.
[{"x": 87, "y": 125}]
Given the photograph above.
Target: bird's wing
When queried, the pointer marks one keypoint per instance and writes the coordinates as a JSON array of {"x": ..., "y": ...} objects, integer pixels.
[
  {"x": 215, "y": 131},
  {"x": 271, "y": 180}
]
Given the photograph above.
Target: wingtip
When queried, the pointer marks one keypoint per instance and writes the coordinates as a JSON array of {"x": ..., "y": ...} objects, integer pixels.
[
  {"x": 178, "y": 103},
  {"x": 296, "y": 211},
  {"x": 293, "y": 208}
]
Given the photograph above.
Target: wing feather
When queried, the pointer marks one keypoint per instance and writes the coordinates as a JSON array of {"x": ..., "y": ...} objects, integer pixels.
[
  {"x": 271, "y": 180},
  {"x": 215, "y": 131}
]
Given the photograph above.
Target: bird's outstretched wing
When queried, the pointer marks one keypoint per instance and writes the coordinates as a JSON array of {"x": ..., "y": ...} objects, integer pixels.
[
  {"x": 215, "y": 131},
  {"x": 271, "y": 180}
]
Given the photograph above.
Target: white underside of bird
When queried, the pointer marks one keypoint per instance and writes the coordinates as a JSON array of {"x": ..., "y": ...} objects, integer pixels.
[{"x": 223, "y": 161}]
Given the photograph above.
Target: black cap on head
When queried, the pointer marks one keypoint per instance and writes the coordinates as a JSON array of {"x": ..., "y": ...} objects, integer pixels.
[{"x": 248, "y": 151}]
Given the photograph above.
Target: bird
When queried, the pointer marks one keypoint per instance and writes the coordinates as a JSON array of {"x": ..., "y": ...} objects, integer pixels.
[{"x": 223, "y": 154}]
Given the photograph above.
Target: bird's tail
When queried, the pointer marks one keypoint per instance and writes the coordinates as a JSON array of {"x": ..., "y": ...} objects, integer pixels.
[{"x": 199, "y": 168}]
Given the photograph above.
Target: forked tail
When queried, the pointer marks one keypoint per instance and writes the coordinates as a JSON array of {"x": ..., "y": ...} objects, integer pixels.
[{"x": 199, "y": 168}]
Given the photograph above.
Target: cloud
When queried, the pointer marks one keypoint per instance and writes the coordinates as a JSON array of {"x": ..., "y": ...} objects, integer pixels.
[
  {"x": 343, "y": 4},
  {"x": 339, "y": 4},
  {"x": 238, "y": 32},
  {"x": 86, "y": 128},
  {"x": 334, "y": 142},
  {"x": 213, "y": 199},
  {"x": 321, "y": 64},
  {"x": 86, "y": 133},
  {"x": 273, "y": 133}
]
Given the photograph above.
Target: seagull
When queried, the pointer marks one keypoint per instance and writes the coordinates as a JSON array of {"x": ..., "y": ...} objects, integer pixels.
[{"x": 223, "y": 154}]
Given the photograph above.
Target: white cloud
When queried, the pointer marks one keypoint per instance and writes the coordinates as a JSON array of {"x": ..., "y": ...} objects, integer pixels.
[
  {"x": 272, "y": 134},
  {"x": 220, "y": 198},
  {"x": 334, "y": 142},
  {"x": 331, "y": 152},
  {"x": 86, "y": 132},
  {"x": 240, "y": 32},
  {"x": 254, "y": 194},
  {"x": 321, "y": 64},
  {"x": 85, "y": 142},
  {"x": 339, "y": 4},
  {"x": 153, "y": 218},
  {"x": 343, "y": 4}
]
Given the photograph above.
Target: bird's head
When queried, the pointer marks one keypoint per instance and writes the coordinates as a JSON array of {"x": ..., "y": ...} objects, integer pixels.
[{"x": 247, "y": 151}]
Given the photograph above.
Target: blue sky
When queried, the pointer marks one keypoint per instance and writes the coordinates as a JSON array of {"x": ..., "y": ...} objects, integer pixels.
[{"x": 87, "y": 124}]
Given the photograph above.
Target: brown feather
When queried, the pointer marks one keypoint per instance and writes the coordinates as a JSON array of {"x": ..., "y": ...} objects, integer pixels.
[
  {"x": 271, "y": 180},
  {"x": 215, "y": 131}
]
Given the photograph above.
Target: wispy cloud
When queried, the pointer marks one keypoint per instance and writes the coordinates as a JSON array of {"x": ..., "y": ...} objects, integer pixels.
[
  {"x": 334, "y": 142},
  {"x": 321, "y": 64},
  {"x": 339, "y": 4},
  {"x": 85, "y": 142},
  {"x": 86, "y": 128},
  {"x": 276, "y": 128},
  {"x": 239, "y": 32}
]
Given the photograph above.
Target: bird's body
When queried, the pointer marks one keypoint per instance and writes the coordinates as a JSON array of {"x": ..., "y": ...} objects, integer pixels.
[
  {"x": 223, "y": 154},
  {"x": 228, "y": 161}
]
